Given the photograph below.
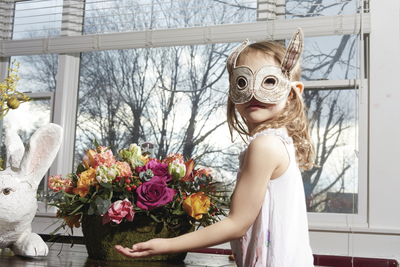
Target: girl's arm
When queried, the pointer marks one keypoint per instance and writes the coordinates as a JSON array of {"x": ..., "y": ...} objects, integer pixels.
[{"x": 266, "y": 157}]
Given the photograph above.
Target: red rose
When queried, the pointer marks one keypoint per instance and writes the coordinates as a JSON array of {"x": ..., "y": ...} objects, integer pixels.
[
  {"x": 154, "y": 193},
  {"x": 159, "y": 169}
]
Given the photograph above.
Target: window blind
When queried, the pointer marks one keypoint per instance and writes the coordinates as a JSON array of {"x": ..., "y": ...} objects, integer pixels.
[{"x": 53, "y": 18}]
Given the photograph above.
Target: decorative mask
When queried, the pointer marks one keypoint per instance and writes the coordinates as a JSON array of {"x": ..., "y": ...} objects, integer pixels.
[{"x": 270, "y": 84}]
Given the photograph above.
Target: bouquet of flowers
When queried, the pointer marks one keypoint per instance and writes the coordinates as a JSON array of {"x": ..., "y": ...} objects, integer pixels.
[{"x": 172, "y": 191}]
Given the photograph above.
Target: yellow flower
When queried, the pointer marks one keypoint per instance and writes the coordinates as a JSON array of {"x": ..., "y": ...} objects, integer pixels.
[
  {"x": 86, "y": 178},
  {"x": 196, "y": 205},
  {"x": 145, "y": 159}
]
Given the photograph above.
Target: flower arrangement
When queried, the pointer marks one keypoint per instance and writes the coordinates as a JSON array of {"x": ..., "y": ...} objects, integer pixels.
[{"x": 171, "y": 191}]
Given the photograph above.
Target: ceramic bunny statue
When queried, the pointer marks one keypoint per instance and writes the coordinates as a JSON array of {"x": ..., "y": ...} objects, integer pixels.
[{"x": 18, "y": 185}]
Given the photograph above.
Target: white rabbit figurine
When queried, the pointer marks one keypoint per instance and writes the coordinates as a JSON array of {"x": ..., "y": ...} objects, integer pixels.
[{"x": 18, "y": 185}]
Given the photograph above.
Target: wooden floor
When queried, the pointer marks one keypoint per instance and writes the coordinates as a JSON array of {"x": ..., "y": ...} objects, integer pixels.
[{"x": 77, "y": 257}]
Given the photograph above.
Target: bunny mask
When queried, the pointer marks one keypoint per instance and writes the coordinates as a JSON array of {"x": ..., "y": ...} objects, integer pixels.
[
  {"x": 270, "y": 84},
  {"x": 18, "y": 185}
]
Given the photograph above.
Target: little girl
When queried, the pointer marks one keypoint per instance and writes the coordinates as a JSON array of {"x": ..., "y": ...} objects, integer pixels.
[{"x": 267, "y": 222}]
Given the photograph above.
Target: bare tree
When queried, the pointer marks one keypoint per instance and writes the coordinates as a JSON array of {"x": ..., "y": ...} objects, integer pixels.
[
  {"x": 175, "y": 96},
  {"x": 331, "y": 118}
]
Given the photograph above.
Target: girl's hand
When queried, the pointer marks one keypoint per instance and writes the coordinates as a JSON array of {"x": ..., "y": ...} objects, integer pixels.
[{"x": 143, "y": 250}]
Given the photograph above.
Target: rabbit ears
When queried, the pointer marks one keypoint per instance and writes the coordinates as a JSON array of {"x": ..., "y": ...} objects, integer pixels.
[
  {"x": 293, "y": 51},
  {"x": 33, "y": 161},
  {"x": 292, "y": 55}
]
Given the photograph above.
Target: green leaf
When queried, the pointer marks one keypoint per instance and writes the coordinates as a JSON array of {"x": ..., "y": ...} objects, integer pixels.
[
  {"x": 179, "y": 212},
  {"x": 102, "y": 205},
  {"x": 96, "y": 144},
  {"x": 67, "y": 202},
  {"x": 155, "y": 218},
  {"x": 80, "y": 168},
  {"x": 68, "y": 195},
  {"x": 75, "y": 210},
  {"x": 106, "y": 185},
  {"x": 84, "y": 200},
  {"x": 90, "y": 211}
]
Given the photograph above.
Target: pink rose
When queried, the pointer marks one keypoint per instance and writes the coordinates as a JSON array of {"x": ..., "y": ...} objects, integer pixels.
[
  {"x": 119, "y": 210},
  {"x": 159, "y": 169},
  {"x": 154, "y": 193}
]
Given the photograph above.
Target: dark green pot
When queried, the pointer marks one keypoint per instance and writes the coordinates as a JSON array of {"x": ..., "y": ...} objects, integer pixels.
[{"x": 100, "y": 239}]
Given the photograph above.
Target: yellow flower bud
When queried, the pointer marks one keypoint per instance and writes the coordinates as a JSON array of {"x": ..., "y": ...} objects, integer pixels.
[{"x": 13, "y": 103}]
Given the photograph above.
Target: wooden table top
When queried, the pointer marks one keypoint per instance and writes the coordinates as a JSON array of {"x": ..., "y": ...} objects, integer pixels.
[{"x": 77, "y": 257}]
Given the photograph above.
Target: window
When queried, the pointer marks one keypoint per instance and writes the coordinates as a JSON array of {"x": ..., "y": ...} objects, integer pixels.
[
  {"x": 133, "y": 58},
  {"x": 37, "y": 75}
]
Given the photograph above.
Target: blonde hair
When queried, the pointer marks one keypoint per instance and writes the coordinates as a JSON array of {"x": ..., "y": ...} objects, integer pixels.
[{"x": 292, "y": 117}]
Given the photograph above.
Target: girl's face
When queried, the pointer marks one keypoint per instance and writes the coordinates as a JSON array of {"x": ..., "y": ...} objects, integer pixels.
[{"x": 254, "y": 111}]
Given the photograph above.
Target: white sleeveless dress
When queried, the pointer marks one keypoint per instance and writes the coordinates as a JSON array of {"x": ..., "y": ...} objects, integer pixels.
[{"x": 279, "y": 235}]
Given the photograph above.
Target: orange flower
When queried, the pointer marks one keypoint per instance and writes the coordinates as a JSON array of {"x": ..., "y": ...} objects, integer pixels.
[
  {"x": 105, "y": 158},
  {"x": 206, "y": 171},
  {"x": 88, "y": 160},
  {"x": 189, "y": 168},
  {"x": 57, "y": 183},
  {"x": 87, "y": 177},
  {"x": 174, "y": 157},
  {"x": 196, "y": 205},
  {"x": 124, "y": 169},
  {"x": 74, "y": 221}
]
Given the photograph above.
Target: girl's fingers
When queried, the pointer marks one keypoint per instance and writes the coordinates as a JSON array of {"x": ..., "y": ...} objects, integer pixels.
[{"x": 130, "y": 253}]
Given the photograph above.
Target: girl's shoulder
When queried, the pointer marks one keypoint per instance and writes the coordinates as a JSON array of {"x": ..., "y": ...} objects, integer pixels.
[{"x": 280, "y": 133}]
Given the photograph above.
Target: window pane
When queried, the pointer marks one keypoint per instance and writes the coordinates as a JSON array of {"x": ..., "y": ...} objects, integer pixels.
[
  {"x": 173, "y": 97},
  {"x": 25, "y": 120},
  {"x": 316, "y": 8},
  {"x": 37, "y": 19},
  {"x": 37, "y": 73},
  {"x": 330, "y": 58},
  {"x": 333, "y": 186},
  {"x": 122, "y": 16}
]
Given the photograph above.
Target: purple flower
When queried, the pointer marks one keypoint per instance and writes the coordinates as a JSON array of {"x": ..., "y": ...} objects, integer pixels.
[
  {"x": 154, "y": 193},
  {"x": 159, "y": 169}
]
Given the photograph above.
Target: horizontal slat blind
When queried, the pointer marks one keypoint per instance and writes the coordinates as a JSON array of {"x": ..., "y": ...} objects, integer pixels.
[
  {"x": 275, "y": 30},
  {"x": 54, "y": 18},
  {"x": 105, "y": 16}
]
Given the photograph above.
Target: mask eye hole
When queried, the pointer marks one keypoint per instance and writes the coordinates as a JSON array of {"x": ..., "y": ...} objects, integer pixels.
[
  {"x": 241, "y": 83},
  {"x": 7, "y": 191},
  {"x": 270, "y": 82}
]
